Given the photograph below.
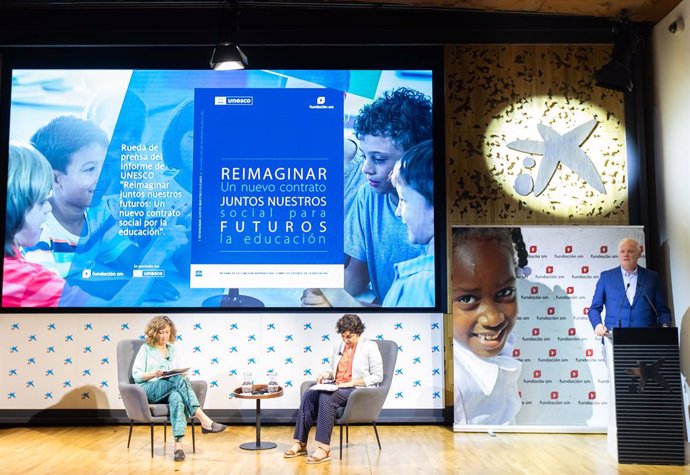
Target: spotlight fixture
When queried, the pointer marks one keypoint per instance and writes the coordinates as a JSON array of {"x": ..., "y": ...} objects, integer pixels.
[
  {"x": 228, "y": 56},
  {"x": 677, "y": 26},
  {"x": 617, "y": 74}
]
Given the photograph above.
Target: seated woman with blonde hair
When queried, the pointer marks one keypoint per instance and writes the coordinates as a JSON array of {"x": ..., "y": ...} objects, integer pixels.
[{"x": 157, "y": 356}]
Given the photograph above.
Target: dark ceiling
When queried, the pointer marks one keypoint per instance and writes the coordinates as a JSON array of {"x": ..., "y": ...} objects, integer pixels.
[{"x": 316, "y": 22}]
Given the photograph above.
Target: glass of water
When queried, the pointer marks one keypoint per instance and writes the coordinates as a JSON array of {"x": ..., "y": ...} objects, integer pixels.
[
  {"x": 246, "y": 382},
  {"x": 273, "y": 382}
]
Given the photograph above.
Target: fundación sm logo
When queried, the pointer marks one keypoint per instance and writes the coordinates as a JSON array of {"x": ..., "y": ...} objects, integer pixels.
[
  {"x": 320, "y": 103},
  {"x": 555, "y": 149}
]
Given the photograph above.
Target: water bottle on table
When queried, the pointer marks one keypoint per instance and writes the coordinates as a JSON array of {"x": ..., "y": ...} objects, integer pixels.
[
  {"x": 273, "y": 382},
  {"x": 247, "y": 383}
]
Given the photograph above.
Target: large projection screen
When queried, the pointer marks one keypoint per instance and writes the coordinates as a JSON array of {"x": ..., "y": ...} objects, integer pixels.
[{"x": 183, "y": 189}]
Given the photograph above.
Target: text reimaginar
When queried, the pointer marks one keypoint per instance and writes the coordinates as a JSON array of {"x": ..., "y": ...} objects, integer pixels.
[{"x": 280, "y": 173}]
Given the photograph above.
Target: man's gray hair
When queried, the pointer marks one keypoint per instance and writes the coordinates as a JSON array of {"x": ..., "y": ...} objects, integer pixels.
[{"x": 629, "y": 239}]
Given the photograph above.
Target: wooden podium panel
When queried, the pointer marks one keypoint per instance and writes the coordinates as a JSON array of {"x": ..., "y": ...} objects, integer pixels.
[{"x": 649, "y": 398}]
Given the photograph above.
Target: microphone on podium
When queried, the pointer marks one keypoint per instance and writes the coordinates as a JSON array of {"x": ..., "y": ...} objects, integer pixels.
[
  {"x": 620, "y": 309},
  {"x": 649, "y": 301}
]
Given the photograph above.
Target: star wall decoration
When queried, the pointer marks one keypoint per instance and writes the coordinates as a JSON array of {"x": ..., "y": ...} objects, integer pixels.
[
  {"x": 555, "y": 149},
  {"x": 647, "y": 372}
]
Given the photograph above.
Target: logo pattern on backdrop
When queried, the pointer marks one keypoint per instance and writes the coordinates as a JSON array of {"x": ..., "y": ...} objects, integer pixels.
[
  {"x": 69, "y": 361},
  {"x": 564, "y": 381}
]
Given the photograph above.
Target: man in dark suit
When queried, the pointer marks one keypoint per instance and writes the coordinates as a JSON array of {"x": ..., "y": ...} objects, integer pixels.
[{"x": 633, "y": 296}]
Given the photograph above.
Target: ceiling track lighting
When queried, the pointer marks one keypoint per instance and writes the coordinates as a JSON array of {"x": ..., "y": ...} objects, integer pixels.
[
  {"x": 228, "y": 56},
  {"x": 617, "y": 73}
]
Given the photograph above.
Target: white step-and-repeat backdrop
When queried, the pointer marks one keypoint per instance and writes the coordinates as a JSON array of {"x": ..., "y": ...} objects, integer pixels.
[
  {"x": 552, "y": 354},
  {"x": 69, "y": 361}
]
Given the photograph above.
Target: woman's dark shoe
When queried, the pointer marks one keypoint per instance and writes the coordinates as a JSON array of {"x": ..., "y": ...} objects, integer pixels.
[
  {"x": 215, "y": 428},
  {"x": 179, "y": 455}
]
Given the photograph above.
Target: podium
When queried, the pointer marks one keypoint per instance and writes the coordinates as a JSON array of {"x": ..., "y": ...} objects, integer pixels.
[{"x": 649, "y": 400}]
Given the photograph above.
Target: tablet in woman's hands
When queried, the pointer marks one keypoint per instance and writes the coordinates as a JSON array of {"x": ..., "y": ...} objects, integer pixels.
[
  {"x": 173, "y": 372},
  {"x": 324, "y": 387}
]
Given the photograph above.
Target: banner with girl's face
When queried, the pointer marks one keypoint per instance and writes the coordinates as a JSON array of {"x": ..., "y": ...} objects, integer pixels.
[{"x": 525, "y": 355}]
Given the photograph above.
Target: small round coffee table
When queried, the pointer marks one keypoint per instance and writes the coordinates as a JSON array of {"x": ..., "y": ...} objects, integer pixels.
[{"x": 258, "y": 394}]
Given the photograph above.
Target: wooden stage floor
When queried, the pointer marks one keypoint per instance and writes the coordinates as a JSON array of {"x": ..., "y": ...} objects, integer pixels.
[{"x": 418, "y": 450}]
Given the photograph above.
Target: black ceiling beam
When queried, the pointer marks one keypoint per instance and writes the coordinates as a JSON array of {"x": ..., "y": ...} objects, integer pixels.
[{"x": 51, "y": 25}]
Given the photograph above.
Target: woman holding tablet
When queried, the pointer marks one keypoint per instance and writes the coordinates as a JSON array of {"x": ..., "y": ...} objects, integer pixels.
[
  {"x": 356, "y": 362},
  {"x": 154, "y": 370}
]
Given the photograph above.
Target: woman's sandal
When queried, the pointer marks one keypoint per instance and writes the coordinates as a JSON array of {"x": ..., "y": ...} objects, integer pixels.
[
  {"x": 314, "y": 460},
  {"x": 292, "y": 453}
]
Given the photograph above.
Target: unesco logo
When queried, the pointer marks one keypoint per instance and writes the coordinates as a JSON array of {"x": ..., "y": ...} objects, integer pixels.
[
  {"x": 233, "y": 100},
  {"x": 574, "y": 373}
]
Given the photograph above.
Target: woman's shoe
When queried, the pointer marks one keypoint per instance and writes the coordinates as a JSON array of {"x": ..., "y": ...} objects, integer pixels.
[
  {"x": 292, "y": 453},
  {"x": 215, "y": 428},
  {"x": 314, "y": 460},
  {"x": 179, "y": 455}
]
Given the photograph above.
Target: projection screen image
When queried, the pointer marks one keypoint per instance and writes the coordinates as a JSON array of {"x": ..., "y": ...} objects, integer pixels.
[{"x": 189, "y": 189}]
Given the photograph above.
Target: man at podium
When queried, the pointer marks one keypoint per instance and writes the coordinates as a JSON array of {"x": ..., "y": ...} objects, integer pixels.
[{"x": 632, "y": 295}]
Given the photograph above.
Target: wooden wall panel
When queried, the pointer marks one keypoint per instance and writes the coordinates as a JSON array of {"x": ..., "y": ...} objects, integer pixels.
[{"x": 497, "y": 94}]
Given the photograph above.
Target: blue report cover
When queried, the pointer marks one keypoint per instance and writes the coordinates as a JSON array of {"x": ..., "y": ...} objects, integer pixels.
[{"x": 267, "y": 199}]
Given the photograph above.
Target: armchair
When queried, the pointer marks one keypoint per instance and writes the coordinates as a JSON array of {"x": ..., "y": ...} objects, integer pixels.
[
  {"x": 134, "y": 398},
  {"x": 364, "y": 404}
]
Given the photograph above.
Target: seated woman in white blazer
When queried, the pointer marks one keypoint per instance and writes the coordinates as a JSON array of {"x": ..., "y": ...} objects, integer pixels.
[{"x": 356, "y": 362}]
